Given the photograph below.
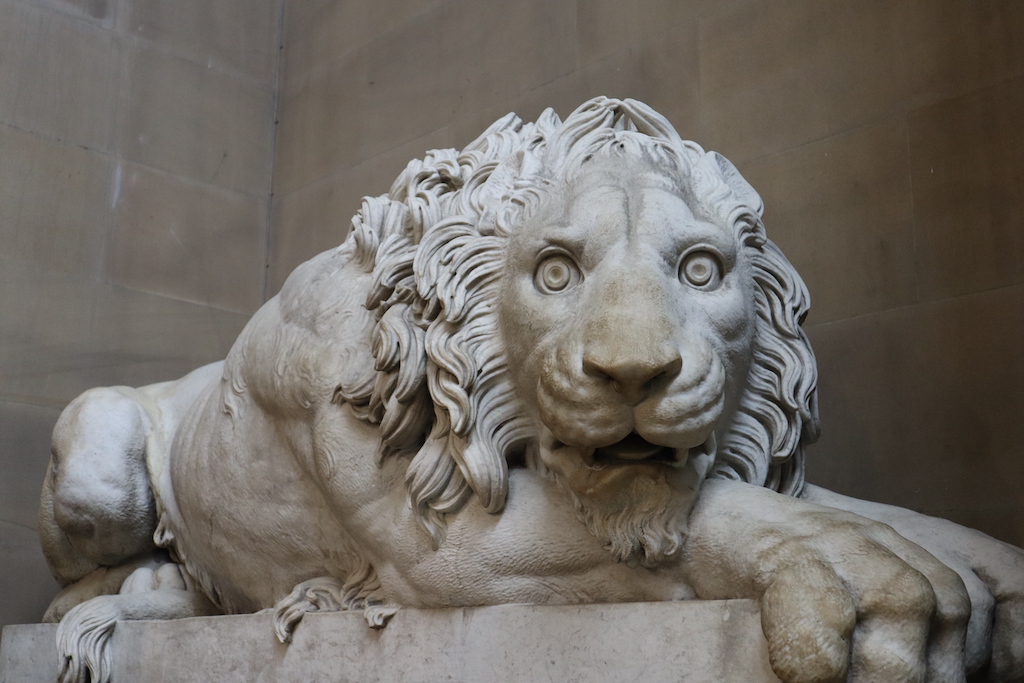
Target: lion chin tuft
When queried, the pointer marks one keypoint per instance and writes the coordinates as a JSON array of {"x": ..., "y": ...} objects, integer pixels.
[
  {"x": 645, "y": 525},
  {"x": 633, "y": 496}
]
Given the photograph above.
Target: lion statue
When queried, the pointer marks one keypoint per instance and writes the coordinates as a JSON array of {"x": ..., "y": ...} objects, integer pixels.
[{"x": 562, "y": 365}]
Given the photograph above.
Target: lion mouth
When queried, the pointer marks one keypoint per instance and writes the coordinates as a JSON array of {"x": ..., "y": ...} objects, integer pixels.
[{"x": 634, "y": 449}]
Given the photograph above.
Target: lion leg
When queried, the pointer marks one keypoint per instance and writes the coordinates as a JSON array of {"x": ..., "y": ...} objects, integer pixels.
[
  {"x": 328, "y": 594},
  {"x": 97, "y": 508},
  {"x": 83, "y": 637},
  {"x": 101, "y": 581}
]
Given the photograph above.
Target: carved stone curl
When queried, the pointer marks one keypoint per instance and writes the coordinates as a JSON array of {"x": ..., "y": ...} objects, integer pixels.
[{"x": 562, "y": 365}]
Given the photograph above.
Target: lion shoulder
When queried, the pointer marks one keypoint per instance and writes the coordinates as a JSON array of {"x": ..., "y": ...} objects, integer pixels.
[{"x": 306, "y": 341}]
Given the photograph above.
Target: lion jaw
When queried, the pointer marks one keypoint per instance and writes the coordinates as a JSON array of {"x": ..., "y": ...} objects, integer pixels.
[{"x": 637, "y": 506}]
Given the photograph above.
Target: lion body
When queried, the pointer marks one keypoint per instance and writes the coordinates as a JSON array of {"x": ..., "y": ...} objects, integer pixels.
[
  {"x": 372, "y": 399},
  {"x": 563, "y": 365},
  {"x": 252, "y": 508}
]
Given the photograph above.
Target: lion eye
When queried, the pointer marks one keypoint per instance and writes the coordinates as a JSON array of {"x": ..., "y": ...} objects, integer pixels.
[
  {"x": 555, "y": 274},
  {"x": 701, "y": 269}
]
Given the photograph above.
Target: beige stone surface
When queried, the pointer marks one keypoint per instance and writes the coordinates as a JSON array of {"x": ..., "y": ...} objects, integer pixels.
[
  {"x": 662, "y": 71},
  {"x": 951, "y": 47},
  {"x": 27, "y": 653},
  {"x": 812, "y": 69},
  {"x": 967, "y": 156},
  {"x": 310, "y": 143},
  {"x": 929, "y": 394},
  {"x": 54, "y": 202},
  {"x": 319, "y": 31},
  {"x": 536, "y": 36},
  {"x": 66, "y": 90},
  {"x": 842, "y": 212},
  {"x": 695, "y": 642},
  {"x": 100, "y": 12},
  {"x": 187, "y": 240},
  {"x": 62, "y": 335},
  {"x": 196, "y": 121},
  {"x": 379, "y": 90},
  {"x": 240, "y": 36},
  {"x": 26, "y": 584},
  {"x": 24, "y": 449}
]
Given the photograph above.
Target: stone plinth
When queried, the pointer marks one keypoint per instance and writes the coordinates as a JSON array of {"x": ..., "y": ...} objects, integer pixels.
[{"x": 696, "y": 642}]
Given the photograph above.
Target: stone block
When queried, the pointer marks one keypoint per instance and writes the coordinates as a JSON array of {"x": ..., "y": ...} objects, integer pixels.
[
  {"x": 661, "y": 71},
  {"x": 920, "y": 407},
  {"x": 494, "y": 51},
  {"x": 25, "y": 582},
  {"x": 416, "y": 78},
  {"x": 54, "y": 202},
  {"x": 778, "y": 75},
  {"x": 62, "y": 335},
  {"x": 693, "y": 642},
  {"x": 187, "y": 240},
  {"x": 312, "y": 142},
  {"x": 199, "y": 122},
  {"x": 100, "y": 12},
  {"x": 951, "y": 47},
  {"x": 58, "y": 76},
  {"x": 967, "y": 156},
  {"x": 852, "y": 193},
  {"x": 606, "y": 26},
  {"x": 320, "y": 31},
  {"x": 24, "y": 451},
  {"x": 239, "y": 36},
  {"x": 808, "y": 69}
]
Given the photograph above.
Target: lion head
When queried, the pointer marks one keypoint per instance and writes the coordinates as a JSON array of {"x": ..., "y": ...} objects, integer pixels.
[{"x": 596, "y": 299}]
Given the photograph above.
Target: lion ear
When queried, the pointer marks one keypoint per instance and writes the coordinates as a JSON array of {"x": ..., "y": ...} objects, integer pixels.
[{"x": 740, "y": 187}]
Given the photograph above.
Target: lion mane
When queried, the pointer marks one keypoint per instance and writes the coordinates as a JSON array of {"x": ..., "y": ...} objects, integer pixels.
[{"x": 435, "y": 245}]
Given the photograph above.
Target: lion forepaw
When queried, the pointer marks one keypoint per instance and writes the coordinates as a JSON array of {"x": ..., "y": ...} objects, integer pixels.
[
  {"x": 323, "y": 594},
  {"x": 83, "y": 641}
]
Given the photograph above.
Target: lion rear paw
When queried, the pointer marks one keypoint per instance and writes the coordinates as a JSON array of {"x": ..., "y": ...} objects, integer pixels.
[
  {"x": 322, "y": 594},
  {"x": 83, "y": 641}
]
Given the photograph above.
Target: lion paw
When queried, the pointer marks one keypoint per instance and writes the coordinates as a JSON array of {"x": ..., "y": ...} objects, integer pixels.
[
  {"x": 378, "y": 616},
  {"x": 323, "y": 594},
  {"x": 83, "y": 641}
]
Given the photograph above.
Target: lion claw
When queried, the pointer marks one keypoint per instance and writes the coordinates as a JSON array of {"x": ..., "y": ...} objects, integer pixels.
[
  {"x": 378, "y": 616},
  {"x": 322, "y": 594}
]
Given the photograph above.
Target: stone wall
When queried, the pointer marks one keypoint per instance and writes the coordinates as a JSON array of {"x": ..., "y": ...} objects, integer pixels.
[
  {"x": 136, "y": 145},
  {"x": 885, "y": 137},
  {"x": 136, "y": 141}
]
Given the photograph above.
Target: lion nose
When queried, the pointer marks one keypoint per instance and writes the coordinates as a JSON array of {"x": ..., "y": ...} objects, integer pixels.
[{"x": 632, "y": 374}]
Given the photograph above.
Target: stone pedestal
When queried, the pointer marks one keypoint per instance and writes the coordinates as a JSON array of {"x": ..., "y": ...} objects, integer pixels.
[{"x": 696, "y": 642}]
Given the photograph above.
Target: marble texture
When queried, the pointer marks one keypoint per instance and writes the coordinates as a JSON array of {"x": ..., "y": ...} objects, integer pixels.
[
  {"x": 564, "y": 365},
  {"x": 690, "y": 642}
]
